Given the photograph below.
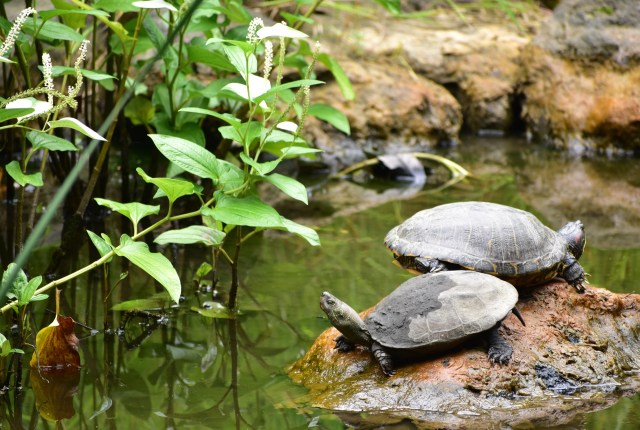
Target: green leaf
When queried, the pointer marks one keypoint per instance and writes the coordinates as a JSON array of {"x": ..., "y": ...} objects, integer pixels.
[
  {"x": 54, "y": 32},
  {"x": 228, "y": 118},
  {"x": 260, "y": 168},
  {"x": 134, "y": 211},
  {"x": 204, "y": 269},
  {"x": 331, "y": 115},
  {"x": 213, "y": 59},
  {"x": 392, "y": 6},
  {"x": 287, "y": 86},
  {"x": 140, "y": 110},
  {"x": 155, "y": 264},
  {"x": 41, "y": 140},
  {"x": 172, "y": 188},
  {"x": 341, "y": 77},
  {"x": 242, "y": 62},
  {"x": 248, "y": 211},
  {"x": 198, "y": 161},
  {"x": 280, "y": 148},
  {"x": 76, "y": 125},
  {"x": 89, "y": 74},
  {"x": 289, "y": 186},
  {"x": 101, "y": 245},
  {"x": 192, "y": 234},
  {"x": 157, "y": 301},
  {"x": 13, "y": 169},
  {"x": 7, "y": 114},
  {"x": 308, "y": 234},
  {"x": 48, "y": 14}
]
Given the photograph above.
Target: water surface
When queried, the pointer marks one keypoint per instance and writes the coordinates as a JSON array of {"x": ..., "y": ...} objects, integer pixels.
[{"x": 177, "y": 368}]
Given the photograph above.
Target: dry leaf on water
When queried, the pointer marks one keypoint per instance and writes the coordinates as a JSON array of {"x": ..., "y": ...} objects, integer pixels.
[{"x": 56, "y": 346}]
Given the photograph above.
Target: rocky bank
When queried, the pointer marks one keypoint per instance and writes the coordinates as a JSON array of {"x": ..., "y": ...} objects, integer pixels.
[{"x": 584, "y": 346}]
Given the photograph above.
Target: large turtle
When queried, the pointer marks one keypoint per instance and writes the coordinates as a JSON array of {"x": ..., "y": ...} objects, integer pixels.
[
  {"x": 428, "y": 314},
  {"x": 506, "y": 242}
]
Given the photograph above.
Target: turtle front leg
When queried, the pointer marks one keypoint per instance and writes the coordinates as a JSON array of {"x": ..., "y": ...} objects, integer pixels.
[
  {"x": 429, "y": 265},
  {"x": 343, "y": 345},
  {"x": 384, "y": 359},
  {"x": 574, "y": 273},
  {"x": 499, "y": 350}
]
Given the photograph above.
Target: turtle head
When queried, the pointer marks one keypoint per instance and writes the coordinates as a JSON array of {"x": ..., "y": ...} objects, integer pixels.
[
  {"x": 336, "y": 309},
  {"x": 573, "y": 233},
  {"x": 345, "y": 319}
]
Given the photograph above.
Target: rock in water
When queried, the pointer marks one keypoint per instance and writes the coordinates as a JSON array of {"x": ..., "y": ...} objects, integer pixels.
[{"x": 582, "y": 345}]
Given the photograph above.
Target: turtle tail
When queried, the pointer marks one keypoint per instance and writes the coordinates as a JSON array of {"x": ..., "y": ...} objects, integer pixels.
[{"x": 518, "y": 315}]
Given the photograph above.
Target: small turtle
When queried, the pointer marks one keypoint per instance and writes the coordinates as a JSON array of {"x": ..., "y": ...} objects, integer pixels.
[
  {"x": 506, "y": 242},
  {"x": 428, "y": 314}
]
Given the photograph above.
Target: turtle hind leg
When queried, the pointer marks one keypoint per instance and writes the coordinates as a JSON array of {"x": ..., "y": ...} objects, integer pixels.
[
  {"x": 384, "y": 359},
  {"x": 343, "y": 345},
  {"x": 429, "y": 265},
  {"x": 499, "y": 350}
]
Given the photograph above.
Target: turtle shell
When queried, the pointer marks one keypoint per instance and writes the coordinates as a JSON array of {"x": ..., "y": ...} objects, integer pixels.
[
  {"x": 487, "y": 237},
  {"x": 437, "y": 311}
]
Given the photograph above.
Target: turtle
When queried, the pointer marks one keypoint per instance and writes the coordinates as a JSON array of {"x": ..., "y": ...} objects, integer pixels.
[
  {"x": 428, "y": 314},
  {"x": 503, "y": 241}
]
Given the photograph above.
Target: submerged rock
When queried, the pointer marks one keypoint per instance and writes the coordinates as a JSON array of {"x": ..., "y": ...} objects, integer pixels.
[{"x": 579, "y": 344}]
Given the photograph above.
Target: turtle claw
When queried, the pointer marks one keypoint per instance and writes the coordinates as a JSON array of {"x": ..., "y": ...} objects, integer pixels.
[
  {"x": 343, "y": 345},
  {"x": 500, "y": 355}
]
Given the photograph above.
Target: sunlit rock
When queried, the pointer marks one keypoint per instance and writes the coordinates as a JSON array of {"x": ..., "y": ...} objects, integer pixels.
[
  {"x": 582, "y": 346},
  {"x": 581, "y": 78}
]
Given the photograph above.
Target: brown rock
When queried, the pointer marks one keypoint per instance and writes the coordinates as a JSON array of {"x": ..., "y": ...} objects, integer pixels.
[
  {"x": 477, "y": 61},
  {"x": 394, "y": 109},
  {"x": 578, "y": 344},
  {"x": 581, "y": 78}
]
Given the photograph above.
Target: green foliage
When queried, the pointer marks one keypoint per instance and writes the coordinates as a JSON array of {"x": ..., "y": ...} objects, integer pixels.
[
  {"x": 23, "y": 289},
  {"x": 260, "y": 113}
]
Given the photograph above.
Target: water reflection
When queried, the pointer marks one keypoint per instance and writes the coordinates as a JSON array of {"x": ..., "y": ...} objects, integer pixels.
[{"x": 183, "y": 369}]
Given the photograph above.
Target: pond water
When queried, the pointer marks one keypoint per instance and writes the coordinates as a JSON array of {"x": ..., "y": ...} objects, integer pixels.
[{"x": 180, "y": 368}]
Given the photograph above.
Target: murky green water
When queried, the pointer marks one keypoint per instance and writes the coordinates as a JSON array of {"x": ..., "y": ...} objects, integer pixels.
[{"x": 189, "y": 371}]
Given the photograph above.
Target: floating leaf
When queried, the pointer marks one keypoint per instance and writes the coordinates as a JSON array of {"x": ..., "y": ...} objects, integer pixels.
[
  {"x": 192, "y": 234},
  {"x": 13, "y": 169},
  {"x": 77, "y": 126},
  {"x": 155, "y": 264},
  {"x": 56, "y": 346}
]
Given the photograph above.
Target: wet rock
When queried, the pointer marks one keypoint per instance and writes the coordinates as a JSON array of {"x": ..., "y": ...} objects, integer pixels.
[
  {"x": 395, "y": 110},
  {"x": 461, "y": 387},
  {"x": 581, "y": 78}
]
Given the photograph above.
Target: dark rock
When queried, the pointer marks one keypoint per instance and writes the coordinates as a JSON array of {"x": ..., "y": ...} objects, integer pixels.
[{"x": 461, "y": 388}]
